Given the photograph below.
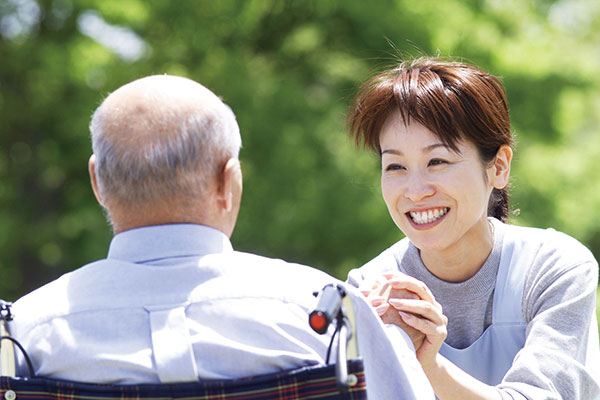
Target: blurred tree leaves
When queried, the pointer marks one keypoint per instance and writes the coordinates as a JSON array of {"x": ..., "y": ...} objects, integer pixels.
[{"x": 289, "y": 70}]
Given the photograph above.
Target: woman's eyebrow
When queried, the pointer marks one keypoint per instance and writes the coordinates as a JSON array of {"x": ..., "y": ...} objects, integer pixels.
[
  {"x": 392, "y": 151},
  {"x": 432, "y": 147},
  {"x": 426, "y": 149}
]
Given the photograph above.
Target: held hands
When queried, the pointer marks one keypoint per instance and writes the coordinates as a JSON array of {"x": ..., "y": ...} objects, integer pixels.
[
  {"x": 409, "y": 304},
  {"x": 378, "y": 293}
]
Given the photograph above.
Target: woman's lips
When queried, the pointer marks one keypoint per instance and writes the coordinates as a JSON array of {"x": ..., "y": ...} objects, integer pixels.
[{"x": 424, "y": 218}]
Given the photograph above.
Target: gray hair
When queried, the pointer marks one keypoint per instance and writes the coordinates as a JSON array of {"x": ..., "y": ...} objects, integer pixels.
[{"x": 163, "y": 166}]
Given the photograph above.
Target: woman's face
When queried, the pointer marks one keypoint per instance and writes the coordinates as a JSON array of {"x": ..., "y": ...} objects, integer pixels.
[{"x": 438, "y": 197}]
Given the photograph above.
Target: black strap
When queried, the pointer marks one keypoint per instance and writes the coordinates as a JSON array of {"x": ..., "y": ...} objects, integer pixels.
[
  {"x": 25, "y": 355},
  {"x": 6, "y": 316}
]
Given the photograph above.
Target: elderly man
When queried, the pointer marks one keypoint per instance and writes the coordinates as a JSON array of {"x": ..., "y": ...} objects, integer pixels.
[{"x": 173, "y": 301}]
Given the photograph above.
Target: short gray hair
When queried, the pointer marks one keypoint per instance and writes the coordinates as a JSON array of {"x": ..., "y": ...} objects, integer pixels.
[{"x": 177, "y": 165}]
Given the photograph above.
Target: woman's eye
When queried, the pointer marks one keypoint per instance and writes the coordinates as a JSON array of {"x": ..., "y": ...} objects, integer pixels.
[
  {"x": 393, "y": 167},
  {"x": 437, "y": 161}
]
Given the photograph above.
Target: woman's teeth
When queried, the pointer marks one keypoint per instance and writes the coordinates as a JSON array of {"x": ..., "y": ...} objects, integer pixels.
[{"x": 426, "y": 217}]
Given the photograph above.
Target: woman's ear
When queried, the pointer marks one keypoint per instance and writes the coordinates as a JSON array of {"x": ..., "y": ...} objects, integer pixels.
[{"x": 499, "y": 172}]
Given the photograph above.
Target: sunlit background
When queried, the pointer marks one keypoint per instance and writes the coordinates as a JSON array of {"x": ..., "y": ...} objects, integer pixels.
[{"x": 289, "y": 70}]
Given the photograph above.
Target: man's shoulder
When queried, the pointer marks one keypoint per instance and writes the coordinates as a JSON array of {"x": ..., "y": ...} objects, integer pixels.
[
  {"x": 389, "y": 257},
  {"x": 50, "y": 300},
  {"x": 276, "y": 265},
  {"x": 271, "y": 275}
]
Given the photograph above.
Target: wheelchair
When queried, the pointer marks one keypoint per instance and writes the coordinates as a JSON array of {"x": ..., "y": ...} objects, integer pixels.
[{"x": 343, "y": 379}]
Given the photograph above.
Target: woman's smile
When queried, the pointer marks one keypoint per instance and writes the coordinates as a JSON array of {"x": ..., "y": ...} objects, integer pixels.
[{"x": 426, "y": 218}]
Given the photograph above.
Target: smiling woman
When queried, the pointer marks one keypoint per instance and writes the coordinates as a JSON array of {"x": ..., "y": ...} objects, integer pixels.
[
  {"x": 426, "y": 184},
  {"x": 479, "y": 290}
]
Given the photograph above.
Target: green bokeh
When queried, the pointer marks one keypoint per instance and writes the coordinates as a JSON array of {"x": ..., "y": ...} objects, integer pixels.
[{"x": 289, "y": 70}]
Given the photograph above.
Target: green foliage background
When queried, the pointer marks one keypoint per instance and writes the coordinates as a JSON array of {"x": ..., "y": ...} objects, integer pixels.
[{"x": 289, "y": 70}]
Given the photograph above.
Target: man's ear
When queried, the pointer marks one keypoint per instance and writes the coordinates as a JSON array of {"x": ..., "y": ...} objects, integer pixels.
[
  {"x": 92, "y": 170},
  {"x": 227, "y": 185},
  {"x": 500, "y": 169}
]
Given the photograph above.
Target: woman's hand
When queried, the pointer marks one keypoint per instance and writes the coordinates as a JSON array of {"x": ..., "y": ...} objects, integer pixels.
[
  {"x": 422, "y": 313},
  {"x": 378, "y": 293}
]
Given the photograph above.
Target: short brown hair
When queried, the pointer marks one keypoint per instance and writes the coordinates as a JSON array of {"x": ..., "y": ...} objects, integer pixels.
[{"x": 454, "y": 100}]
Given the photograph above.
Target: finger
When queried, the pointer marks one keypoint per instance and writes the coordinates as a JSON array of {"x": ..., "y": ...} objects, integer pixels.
[
  {"x": 413, "y": 285},
  {"x": 381, "y": 280},
  {"x": 425, "y": 309},
  {"x": 370, "y": 285},
  {"x": 378, "y": 292},
  {"x": 379, "y": 303},
  {"x": 382, "y": 309},
  {"x": 392, "y": 275},
  {"x": 403, "y": 294},
  {"x": 366, "y": 288},
  {"x": 412, "y": 305},
  {"x": 376, "y": 301},
  {"x": 434, "y": 332},
  {"x": 383, "y": 290}
]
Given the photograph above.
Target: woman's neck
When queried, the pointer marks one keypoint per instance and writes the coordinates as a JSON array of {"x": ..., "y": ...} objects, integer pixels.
[{"x": 463, "y": 260}]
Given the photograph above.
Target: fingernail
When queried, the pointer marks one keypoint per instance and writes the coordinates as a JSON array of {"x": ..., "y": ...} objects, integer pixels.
[
  {"x": 397, "y": 303},
  {"x": 405, "y": 316},
  {"x": 377, "y": 301},
  {"x": 382, "y": 309}
]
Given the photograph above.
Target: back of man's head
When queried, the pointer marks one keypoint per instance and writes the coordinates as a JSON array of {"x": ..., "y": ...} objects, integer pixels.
[{"x": 160, "y": 140}]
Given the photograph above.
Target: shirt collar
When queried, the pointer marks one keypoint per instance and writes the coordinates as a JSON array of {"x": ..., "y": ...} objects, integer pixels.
[{"x": 150, "y": 243}]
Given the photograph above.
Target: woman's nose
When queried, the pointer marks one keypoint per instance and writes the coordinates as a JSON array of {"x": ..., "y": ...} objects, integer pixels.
[{"x": 418, "y": 187}]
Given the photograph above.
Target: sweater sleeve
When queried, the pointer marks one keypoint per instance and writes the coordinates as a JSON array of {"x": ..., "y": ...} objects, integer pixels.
[{"x": 559, "y": 302}]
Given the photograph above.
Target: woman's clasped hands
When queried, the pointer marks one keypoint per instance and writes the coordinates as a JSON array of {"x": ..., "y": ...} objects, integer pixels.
[{"x": 409, "y": 304}]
